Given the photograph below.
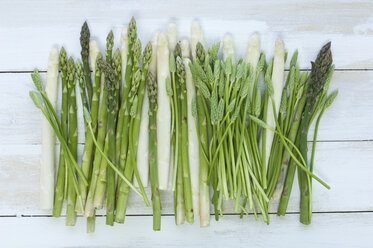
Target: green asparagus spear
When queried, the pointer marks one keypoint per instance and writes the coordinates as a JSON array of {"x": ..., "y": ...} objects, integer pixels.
[
  {"x": 73, "y": 142},
  {"x": 61, "y": 176},
  {"x": 84, "y": 42}
]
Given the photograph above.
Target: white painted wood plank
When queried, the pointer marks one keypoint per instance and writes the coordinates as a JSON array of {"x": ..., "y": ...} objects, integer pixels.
[
  {"x": 345, "y": 166},
  {"x": 29, "y": 29},
  {"x": 347, "y": 118},
  {"x": 326, "y": 230}
]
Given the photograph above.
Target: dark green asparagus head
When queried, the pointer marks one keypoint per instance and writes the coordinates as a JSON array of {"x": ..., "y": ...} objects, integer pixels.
[
  {"x": 98, "y": 65},
  {"x": 152, "y": 88},
  {"x": 109, "y": 84},
  {"x": 132, "y": 31},
  {"x": 319, "y": 73},
  {"x": 63, "y": 62},
  {"x": 109, "y": 45},
  {"x": 117, "y": 63},
  {"x": 177, "y": 51},
  {"x": 71, "y": 71},
  {"x": 84, "y": 41},
  {"x": 200, "y": 53}
]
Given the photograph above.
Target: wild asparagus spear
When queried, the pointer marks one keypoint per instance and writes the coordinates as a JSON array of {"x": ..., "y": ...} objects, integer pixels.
[
  {"x": 73, "y": 142},
  {"x": 61, "y": 176},
  {"x": 84, "y": 42},
  {"x": 156, "y": 201},
  {"x": 319, "y": 73}
]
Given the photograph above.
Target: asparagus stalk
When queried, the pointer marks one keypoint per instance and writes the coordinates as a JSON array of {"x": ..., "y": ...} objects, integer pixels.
[
  {"x": 61, "y": 176},
  {"x": 319, "y": 73},
  {"x": 201, "y": 128},
  {"x": 156, "y": 201},
  {"x": 110, "y": 84},
  {"x": 73, "y": 142},
  {"x": 123, "y": 116},
  {"x": 278, "y": 84},
  {"x": 184, "y": 140},
  {"x": 136, "y": 97},
  {"x": 96, "y": 121},
  {"x": 143, "y": 170},
  {"x": 164, "y": 113},
  {"x": 100, "y": 190},
  {"x": 193, "y": 149},
  {"x": 84, "y": 42},
  {"x": 172, "y": 37},
  {"x": 142, "y": 158},
  {"x": 47, "y": 168}
]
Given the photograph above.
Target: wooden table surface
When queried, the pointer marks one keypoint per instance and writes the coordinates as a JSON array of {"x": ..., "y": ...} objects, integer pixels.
[{"x": 343, "y": 216}]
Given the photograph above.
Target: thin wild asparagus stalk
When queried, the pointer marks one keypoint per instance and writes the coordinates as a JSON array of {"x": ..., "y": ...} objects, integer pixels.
[
  {"x": 156, "y": 201},
  {"x": 285, "y": 163},
  {"x": 61, "y": 176},
  {"x": 73, "y": 142},
  {"x": 84, "y": 42}
]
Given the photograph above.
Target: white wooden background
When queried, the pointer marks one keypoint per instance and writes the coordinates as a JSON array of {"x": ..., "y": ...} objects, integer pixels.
[{"x": 343, "y": 216}]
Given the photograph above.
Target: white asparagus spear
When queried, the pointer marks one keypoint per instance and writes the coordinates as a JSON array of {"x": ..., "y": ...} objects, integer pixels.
[
  {"x": 94, "y": 50},
  {"x": 278, "y": 84},
  {"x": 164, "y": 112},
  {"x": 193, "y": 146},
  {"x": 228, "y": 48},
  {"x": 47, "y": 163},
  {"x": 253, "y": 54},
  {"x": 172, "y": 36},
  {"x": 196, "y": 35},
  {"x": 143, "y": 147},
  {"x": 204, "y": 195}
]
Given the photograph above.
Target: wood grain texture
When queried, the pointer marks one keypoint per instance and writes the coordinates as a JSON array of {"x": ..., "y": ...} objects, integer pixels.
[
  {"x": 32, "y": 28},
  {"x": 327, "y": 230},
  {"x": 343, "y": 165}
]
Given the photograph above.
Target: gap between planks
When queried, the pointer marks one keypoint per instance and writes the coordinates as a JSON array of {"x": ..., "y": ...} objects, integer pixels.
[{"x": 145, "y": 215}]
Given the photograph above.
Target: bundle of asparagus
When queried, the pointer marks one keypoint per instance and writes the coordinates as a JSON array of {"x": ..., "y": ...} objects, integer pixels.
[{"x": 202, "y": 122}]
